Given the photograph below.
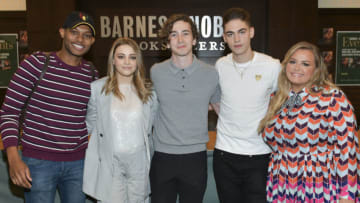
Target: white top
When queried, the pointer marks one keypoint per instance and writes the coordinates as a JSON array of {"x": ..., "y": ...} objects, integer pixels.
[
  {"x": 126, "y": 121},
  {"x": 245, "y": 96}
]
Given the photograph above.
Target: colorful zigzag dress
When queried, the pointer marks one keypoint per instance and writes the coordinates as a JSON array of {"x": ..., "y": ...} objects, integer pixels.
[{"x": 315, "y": 147}]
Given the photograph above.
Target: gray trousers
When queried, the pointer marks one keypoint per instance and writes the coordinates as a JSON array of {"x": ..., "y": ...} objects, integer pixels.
[{"x": 130, "y": 178}]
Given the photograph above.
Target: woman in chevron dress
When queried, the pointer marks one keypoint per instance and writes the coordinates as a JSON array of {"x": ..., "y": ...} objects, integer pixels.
[{"x": 311, "y": 128}]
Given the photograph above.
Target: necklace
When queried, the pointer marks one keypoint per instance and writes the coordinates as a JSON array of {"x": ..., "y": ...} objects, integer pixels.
[
  {"x": 239, "y": 70},
  {"x": 242, "y": 69}
]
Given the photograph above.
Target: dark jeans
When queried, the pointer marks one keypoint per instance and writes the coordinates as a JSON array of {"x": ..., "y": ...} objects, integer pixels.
[
  {"x": 240, "y": 178},
  {"x": 178, "y": 174}
]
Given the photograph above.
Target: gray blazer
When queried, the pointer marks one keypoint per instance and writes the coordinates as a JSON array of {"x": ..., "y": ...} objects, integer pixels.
[{"x": 99, "y": 155}]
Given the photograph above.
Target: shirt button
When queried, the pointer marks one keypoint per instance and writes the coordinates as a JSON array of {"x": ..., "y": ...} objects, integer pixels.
[
  {"x": 183, "y": 77},
  {"x": 183, "y": 86}
]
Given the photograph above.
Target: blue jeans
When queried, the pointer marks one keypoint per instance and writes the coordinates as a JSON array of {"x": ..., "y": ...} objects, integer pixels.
[{"x": 47, "y": 176}]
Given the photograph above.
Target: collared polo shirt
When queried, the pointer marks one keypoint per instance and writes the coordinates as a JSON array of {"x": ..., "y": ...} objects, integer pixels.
[{"x": 181, "y": 125}]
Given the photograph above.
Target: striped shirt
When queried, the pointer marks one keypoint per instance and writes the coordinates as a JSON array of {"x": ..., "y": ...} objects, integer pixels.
[{"x": 54, "y": 127}]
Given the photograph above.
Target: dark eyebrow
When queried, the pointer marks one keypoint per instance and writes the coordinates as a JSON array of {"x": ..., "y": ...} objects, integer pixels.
[
  {"x": 172, "y": 31},
  {"x": 240, "y": 30}
]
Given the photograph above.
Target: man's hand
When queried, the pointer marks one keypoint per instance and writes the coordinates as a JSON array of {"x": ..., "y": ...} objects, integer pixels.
[
  {"x": 19, "y": 171},
  {"x": 346, "y": 201}
]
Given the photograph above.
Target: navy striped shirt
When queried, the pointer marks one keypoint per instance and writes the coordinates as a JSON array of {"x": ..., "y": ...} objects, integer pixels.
[{"x": 54, "y": 127}]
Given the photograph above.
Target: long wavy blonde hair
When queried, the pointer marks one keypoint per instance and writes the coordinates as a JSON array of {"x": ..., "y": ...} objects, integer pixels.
[
  {"x": 142, "y": 86},
  {"x": 320, "y": 79}
]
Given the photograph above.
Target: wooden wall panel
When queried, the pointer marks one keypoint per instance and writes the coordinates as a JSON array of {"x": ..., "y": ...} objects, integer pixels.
[
  {"x": 291, "y": 21},
  {"x": 11, "y": 22},
  {"x": 44, "y": 20}
]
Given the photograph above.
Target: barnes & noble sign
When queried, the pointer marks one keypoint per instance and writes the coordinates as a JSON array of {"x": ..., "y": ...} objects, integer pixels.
[{"x": 144, "y": 29}]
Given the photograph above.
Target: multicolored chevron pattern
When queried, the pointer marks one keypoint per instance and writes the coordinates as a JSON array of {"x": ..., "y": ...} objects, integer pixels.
[{"x": 316, "y": 156}]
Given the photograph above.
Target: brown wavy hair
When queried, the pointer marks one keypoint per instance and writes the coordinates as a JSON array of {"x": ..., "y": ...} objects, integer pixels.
[{"x": 166, "y": 29}]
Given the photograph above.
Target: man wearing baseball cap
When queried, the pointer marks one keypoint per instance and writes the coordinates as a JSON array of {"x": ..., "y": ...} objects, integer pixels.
[
  {"x": 54, "y": 135},
  {"x": 77, "y": 18}
]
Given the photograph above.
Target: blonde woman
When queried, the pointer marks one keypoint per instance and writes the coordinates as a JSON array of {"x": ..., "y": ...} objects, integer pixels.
[
  {"x": 119, "y": 119},
  {"x": 311, "y": 128}
]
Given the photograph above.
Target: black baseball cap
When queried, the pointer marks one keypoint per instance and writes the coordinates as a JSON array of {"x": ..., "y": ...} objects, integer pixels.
[{"x": 77, "y": 18}]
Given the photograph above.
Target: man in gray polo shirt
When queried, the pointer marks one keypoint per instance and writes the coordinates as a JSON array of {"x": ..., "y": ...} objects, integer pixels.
[{"x": 185, "y": 86}]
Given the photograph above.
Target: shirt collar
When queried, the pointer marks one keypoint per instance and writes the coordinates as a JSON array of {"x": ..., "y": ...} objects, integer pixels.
[
  {"x": 301, "y": 93},
  {"x": 305, "y": 91},
  {"x": 189, "y": 70}
]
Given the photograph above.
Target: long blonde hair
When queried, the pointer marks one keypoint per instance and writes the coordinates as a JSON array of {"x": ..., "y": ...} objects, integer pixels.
[
  {"x": 320, "y": 79},
  {"x": 142, "y": 86}
]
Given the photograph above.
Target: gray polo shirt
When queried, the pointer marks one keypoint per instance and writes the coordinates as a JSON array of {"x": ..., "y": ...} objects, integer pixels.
[{"x": 181, "y": 125}]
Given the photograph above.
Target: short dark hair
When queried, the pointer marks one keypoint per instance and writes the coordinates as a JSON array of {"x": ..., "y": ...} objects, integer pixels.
[
  {"x": 165, "y": 31},
  {"x": 236, "y": 13}
]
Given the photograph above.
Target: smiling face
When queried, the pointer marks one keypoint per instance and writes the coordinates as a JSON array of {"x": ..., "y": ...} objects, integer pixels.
[
  {"x": 300, "y": 69},
  {"x": 77, "y": 41},
  {"x": 238, "y": 35},
  {"x": 125, "y": 63},
  {"x": 181, "y": 40}
]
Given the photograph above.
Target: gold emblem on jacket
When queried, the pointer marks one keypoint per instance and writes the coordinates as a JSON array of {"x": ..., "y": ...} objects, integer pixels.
[{"x": 258, "y": 77}]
